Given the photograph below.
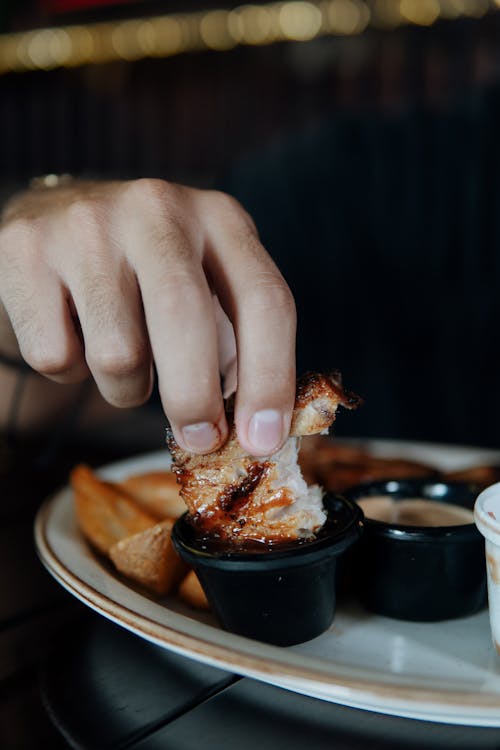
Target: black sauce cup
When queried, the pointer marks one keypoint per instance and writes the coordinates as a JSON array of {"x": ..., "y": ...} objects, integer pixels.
[
  {"x": 283, "y": 596},
  {"x": 420, "y": 573}
]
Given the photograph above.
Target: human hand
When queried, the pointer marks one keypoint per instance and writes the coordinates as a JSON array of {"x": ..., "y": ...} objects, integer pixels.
[{"x": 105, "y": 278}]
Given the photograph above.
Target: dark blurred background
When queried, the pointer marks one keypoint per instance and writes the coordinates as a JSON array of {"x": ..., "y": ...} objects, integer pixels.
[{"x": 367, "y": 152}]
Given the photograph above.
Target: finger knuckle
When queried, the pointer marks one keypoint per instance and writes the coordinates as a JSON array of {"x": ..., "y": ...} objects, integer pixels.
[
  {"x": 126, "y": 400},
  {"x": 157, "y": 195},
  {"x": 169, "y": 246},
  {"x": 230, "y": 209},
  {"x": 169, "y": 228},
  {"x": 128, "y": 397},
  {"x": 124, "y": 362},
  {"x": 225, "y": 202},
  {"x": 87, "y": 215},
  {"x": 271, "y": 294},
  {"x": 47, "y": 362}
]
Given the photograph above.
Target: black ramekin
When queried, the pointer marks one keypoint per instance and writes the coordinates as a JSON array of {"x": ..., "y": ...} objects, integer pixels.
[
  {"x": 284, "y": 596},
  {"x": 420, "y": 573}
]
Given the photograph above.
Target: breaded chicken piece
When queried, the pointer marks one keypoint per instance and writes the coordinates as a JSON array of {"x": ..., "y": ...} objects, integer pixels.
[{"x": 233, "y": 496}]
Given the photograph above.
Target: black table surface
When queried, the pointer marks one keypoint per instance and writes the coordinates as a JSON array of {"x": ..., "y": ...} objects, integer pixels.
[
  {"x": 105, "y": 688},
  {"x": 71, "y": 679}
]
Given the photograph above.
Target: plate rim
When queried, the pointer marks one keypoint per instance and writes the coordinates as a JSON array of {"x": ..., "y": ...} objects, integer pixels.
[{"x": 355, "y": 691}]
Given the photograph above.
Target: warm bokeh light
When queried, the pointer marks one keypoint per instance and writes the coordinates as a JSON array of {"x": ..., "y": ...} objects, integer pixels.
[
  {"x": 346, "y": 16},
  {"x": 161, "y": 36},
  {"x": 253, "y": 24},
  {"x": 452, "y": 8},
  {"x": 214, "y": 30},
  {"x": 82, "y": 45},
  {"x": 50, "y": 48},
  {"x": 387, "y": 14},
  {"x": 125, "y": 41},
  {"x": 300, "y": 21},
  {"x": 174, "y": 34},
  {"x": 421, "y": 12},
  {"x": 476, "y": 8}
]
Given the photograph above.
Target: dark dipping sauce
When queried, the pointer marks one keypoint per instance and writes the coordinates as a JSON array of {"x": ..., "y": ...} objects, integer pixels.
[
  {"x": 214, "y": 544},
  {"x": 277, "y": 591}
]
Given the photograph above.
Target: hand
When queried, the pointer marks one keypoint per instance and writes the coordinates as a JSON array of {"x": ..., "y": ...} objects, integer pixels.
[{"x": 108, "y": 278}]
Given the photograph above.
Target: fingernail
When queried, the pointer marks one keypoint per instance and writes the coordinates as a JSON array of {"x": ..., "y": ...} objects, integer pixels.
[
  {"x": 201, "y": 437},
  {"x": 265, "y": 430}
]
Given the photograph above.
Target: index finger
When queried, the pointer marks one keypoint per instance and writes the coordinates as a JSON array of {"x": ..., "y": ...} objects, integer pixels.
[{"x": 181, "y": 326}]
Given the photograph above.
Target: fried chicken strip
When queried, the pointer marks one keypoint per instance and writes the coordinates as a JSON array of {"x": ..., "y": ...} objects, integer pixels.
[{"x": 232, "y": 496}]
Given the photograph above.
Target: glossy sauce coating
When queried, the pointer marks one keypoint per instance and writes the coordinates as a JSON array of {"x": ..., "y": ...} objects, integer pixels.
[{"x": 232, "y": 495}]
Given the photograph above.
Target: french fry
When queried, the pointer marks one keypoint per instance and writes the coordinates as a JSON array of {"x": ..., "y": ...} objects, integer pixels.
[
  {"x": 192, "y": 593},
  {"x": 157, "y": 492},
  {"x": 150, "y": 559},
  {"x": 105, "y": 512}
]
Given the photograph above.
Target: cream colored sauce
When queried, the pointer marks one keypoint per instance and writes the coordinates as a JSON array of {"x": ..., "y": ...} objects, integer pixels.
[{"x": 414, "y": 511}]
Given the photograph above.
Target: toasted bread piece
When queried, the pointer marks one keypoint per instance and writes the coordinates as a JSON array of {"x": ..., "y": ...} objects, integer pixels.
[
  {"x": 157, "y": 492},
  {"x": 104, "y": 511},
  {"x": 192, "y": 592},
  {"x": 150, "y": 559}
]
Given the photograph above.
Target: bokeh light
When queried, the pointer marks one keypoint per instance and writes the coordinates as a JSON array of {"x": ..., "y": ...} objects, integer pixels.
[{"x": 174, "y": 34}]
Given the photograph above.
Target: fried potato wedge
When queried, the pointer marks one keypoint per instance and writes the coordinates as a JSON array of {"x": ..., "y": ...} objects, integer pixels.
[
  {"x": 192, "y": 592},
  {"x": 104, "y": 511},
  {"x": 150, "y": 559},
  {"x": 157, "y": 492}
]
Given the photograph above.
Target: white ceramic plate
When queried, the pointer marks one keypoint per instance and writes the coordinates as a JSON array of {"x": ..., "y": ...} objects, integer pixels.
[{"x": 447, "y": 672}]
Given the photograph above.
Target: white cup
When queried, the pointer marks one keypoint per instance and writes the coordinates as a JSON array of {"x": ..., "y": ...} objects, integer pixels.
[{"x": 487, "y": 518}]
